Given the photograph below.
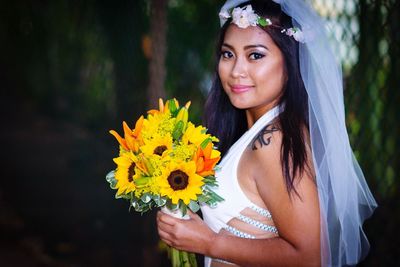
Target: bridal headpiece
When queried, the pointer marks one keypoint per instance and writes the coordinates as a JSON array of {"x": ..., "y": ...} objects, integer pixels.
[{"x": 245, "y": 16}]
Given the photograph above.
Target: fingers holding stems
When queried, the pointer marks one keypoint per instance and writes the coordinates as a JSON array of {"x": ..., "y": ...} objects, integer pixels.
[{"x": 190, "y": 235}]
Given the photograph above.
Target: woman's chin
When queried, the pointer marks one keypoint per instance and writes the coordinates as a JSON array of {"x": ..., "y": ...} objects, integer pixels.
[{"x": 240, "y": 103}]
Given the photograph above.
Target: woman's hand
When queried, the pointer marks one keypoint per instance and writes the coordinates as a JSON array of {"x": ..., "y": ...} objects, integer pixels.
[{"x": 191, "y": 235}]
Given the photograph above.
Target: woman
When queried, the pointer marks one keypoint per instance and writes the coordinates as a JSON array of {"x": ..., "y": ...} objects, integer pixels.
[{"x": 294, "y": 195}]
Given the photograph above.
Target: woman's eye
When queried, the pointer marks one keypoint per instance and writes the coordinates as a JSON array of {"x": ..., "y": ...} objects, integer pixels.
[
  {"x": 256, "y": 56},
  {"x": 226, "y": 54}
]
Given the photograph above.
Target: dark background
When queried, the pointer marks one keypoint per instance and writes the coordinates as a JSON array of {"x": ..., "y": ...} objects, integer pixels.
[{"x": 72, "y": 70}]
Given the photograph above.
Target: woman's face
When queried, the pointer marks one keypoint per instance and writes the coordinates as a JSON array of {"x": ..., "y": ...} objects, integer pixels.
[{"x": 251, "y": 69}]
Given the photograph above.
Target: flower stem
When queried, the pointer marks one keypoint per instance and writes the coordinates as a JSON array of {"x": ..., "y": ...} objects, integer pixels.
[{"x": 181, "y": 258}]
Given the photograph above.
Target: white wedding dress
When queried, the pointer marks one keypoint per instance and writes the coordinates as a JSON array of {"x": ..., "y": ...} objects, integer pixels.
[{"x": 237, "y": 214}]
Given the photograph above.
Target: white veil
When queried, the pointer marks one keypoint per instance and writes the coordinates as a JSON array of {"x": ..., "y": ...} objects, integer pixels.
[{"x": 345, "y": 199}]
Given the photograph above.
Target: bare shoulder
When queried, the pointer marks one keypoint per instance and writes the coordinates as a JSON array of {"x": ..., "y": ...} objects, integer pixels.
[
  {"x": 266, "y": 151},
  {"x": 264, "y": 137},
  {"x": 296, "y": 215}
]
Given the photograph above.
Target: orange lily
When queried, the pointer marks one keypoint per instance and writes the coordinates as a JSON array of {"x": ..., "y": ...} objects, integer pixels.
[
  {"x": 160, "y": 108},
  {"x": 206, "y": 159},
  {"x": 163, "y": 108},
  {"x": 131, "y": 140}
]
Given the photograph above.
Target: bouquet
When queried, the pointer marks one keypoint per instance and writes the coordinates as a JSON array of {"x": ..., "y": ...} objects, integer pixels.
[{"x": 166, "y": 162}]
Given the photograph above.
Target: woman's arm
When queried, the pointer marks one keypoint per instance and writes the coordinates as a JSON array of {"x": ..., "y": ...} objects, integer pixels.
[{"x": 295, "y": 216}]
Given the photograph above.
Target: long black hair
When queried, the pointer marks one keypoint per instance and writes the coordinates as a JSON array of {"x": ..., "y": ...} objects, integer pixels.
[{"x": 229, "y": 123}]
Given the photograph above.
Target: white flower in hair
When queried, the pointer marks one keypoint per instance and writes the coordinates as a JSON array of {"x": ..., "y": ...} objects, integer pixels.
[
  {"x": 299, "y": 36},
  {"x": 296, "y": 33},
  {"x": 224, "y": 14},
  {"x": 244, "y": 17}
]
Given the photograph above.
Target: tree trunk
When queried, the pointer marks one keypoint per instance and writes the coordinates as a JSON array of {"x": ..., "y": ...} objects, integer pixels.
[{"x": 158, "y": 36}]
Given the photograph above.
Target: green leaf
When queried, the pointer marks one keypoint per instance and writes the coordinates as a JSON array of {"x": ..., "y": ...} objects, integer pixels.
[
  {"x": 110, "y": 177},
  {"x": 212, "y": 203},
  {"x": 172, "y": 107},
  {"x": 171, "y": 206},
  {"x": 215, "y": 196},
  {"x": 123, "y": 196},
  {"x": 262, "y": 22},
  {"x": 146, "y": 197},
  {"x": 210, "y": 180},
  {"x": 203, "y": 198},
  {"x": 142, "y": 181},
  {"x": 178, "y": 130},
  {"x": 194, "y": 206},
  {"x": 135, "y": 204},
  {"x": 160, "y": 201},
  {"x": 182, "y": 207},
  {"x": 205, "y": 142}
]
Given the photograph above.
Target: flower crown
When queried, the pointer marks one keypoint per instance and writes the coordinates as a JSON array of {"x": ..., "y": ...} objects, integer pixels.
[{"x": 244, "y": 17}]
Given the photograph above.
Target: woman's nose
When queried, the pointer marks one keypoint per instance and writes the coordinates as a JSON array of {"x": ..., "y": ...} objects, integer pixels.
[{"x": 239, "y": 69}]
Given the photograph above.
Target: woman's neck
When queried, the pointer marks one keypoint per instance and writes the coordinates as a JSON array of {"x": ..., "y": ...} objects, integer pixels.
[{"x": 253, "y": 114}]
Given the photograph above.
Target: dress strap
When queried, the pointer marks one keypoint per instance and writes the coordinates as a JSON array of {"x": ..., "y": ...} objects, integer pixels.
[
  {"x": 260, "y": 225},
  {"x": 261, "y": 211},
  {"x": 238, "y": 233}
]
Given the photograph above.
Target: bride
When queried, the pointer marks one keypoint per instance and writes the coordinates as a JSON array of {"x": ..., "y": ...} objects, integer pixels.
[{"x": 294, "y": 194}]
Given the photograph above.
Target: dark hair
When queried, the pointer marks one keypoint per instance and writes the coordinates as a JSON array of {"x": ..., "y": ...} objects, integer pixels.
[{"x": 229, "y": 123}]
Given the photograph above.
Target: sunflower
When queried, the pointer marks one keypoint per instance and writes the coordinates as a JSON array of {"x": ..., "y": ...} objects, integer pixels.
[
  {"x": 196, "y": 135},
  {"x": 126, "y": 173},
  {"x": 157, "y": 145},
  {"x": 179, "y": 181}
]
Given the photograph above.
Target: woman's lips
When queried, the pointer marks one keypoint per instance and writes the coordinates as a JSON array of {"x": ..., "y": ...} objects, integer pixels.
[{"x": 239, "y": 88}]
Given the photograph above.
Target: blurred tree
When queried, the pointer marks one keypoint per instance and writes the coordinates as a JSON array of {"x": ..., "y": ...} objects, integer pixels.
[
  {"x": 372, "y": 98},
  {"x": 158, "y": 48},
  {"x": 124, "y": 23},
  {"x": 191, "y": 50}
]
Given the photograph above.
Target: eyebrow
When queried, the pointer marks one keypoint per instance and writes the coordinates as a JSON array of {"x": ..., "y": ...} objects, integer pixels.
[{"x": 247, "y": 46}]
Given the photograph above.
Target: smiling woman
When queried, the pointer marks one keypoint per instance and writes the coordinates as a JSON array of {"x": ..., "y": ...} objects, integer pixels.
[
  {"x": 294, "y": 195},
  {"x": 251, "y": 69}
]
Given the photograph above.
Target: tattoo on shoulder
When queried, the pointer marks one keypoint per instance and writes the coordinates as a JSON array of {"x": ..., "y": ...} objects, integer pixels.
[{"x": 263, "y": 138}]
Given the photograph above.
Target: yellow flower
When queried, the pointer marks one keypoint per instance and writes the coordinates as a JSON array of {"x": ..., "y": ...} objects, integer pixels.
[
  {"x": 160, "y": 123},
  {"x": 152, "y": 165},
  {"x": 157, "y": 145},
  {"x": 126, "y": 172},
  {"x": 179, "y": 181},
  {"x": 182, "y": 152},
  {"x": 146, "y": 184},
  {"x": 196, "y": 135}
]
